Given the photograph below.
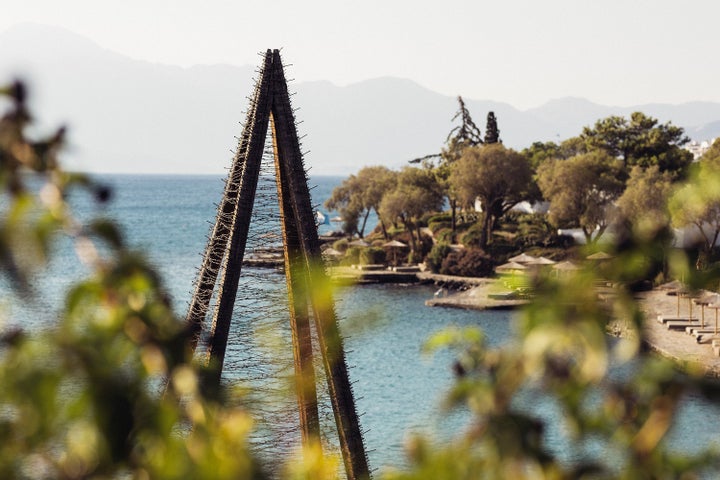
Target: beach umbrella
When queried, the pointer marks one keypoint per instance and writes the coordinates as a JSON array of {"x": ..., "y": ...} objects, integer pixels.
[
  {"x": 542, "y": 261},
  {"x": 565, "y": 266},
  {"x": 704, "y": 301},
  {"x": 510, "y": 267},
  {"x": 599, "y": 256},
  {"x": 674, "y": 285},
  {"x": 522, "y": 258},
  {"x": 394, "y": 245},
  {"x": 716, "y": 308},
  {"x": 359, "y": 243}
]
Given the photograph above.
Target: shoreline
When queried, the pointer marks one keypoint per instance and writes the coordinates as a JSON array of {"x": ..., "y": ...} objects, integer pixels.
[{"x": 475, "y": 294}]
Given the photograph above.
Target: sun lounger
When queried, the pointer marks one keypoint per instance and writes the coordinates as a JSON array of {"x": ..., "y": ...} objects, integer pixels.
[
  {"x": 681, "y": 325},
  {"x": 706, "y": 336},
  {"x": 665, "y": 319}
]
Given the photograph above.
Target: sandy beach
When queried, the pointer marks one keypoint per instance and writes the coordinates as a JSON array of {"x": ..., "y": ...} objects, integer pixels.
[{"x": 674, "y": 344}]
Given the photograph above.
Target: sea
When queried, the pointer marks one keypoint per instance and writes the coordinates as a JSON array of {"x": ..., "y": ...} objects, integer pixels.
[{"x": 400, "y": 389}]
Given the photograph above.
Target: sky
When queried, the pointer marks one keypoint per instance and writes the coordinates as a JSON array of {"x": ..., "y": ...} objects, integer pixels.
[{"x": 523, "y": 52}]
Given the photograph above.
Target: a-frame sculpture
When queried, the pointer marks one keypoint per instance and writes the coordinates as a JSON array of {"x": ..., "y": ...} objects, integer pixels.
[{"x": 308, "y": 284}]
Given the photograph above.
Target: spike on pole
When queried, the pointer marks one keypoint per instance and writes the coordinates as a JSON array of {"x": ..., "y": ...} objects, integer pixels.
[{"x": 308, "y": 285}]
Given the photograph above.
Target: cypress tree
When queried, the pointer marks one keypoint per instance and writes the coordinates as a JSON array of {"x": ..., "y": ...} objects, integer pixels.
[{"x": 492, "y": 134}]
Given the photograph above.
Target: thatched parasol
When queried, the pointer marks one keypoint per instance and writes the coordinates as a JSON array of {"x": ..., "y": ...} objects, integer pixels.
[
  {"x": 599, "y": 256},
  {"x": 510, "y": 267},
  {"x": 394, "y": 245},
  {"x": 522, "y": 258},
  {"x": 359, "y": 243},
  {"x": 542, "y": 261}
]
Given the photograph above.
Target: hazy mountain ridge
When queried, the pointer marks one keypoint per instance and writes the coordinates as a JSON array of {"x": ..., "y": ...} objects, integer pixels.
[{"x": 127, "y": 115}]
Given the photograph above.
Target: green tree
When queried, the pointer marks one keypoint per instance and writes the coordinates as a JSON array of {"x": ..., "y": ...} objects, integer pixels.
[
  {"x": 581, "y": 191},
  {"x": 462, "y": 136},
  {"x": 539, "y": 152},
  {"x": 499, "y": 177},
  {"x": 359, "y": 195},
  {"x": 642, "y": 141},
  {"x": 492, "y": 134},
  {"x": 644, "y": 203},
  {"x": 696, "y": 203},
  {"x": 416, "y": 193}
]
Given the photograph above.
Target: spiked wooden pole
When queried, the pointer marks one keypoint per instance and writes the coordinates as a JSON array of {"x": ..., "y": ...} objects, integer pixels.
[
  {"x": 240, "y": 226},
  {"x": 219, "y": 238},
  {"x": 296, "y": 279},
  {"x": 289, "y": 158}
]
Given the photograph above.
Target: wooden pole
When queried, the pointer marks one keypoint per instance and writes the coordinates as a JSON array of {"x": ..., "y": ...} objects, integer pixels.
[
  {"x": 288, "y": 156},
  {"x": 240, "y": 227}
]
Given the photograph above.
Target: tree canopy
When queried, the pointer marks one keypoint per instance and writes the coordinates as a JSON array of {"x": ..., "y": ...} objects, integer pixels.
[
  {"x": 696, "y": 202},
  {"x": 416, "y": 193},
  {"x": 644, "y": 203},
  {"x": 640, "y": 140},
  {"x": 581, "y": 191},
  {"x": 492, "y": 134},
  {"x": 500, "y": 177},
  {"x": 360, "y": 194}
]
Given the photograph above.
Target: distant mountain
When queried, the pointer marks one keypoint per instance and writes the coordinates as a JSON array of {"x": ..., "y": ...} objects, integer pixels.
[{"x": 127, "y": 115}]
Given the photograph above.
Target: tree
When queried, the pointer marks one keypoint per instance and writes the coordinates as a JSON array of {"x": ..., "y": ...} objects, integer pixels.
[
  {"x": 359, "y": 195},
  {"x": 643, "y": 204},
  {"x": 640, "y": 141},
  {"x": 462, "y": 136},
  {"x": 416, "y": 193},
  {"x": 492, "y": 134},
  {"x": 581, "y": 191},
  {"x": 501, "y": 178},
  {"x": 539, "y": 152},
  {"x": 696, "y": 202}
]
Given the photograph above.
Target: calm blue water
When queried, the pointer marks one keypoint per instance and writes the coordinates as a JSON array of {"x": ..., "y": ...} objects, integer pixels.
[{"x": 398, "y": 389}]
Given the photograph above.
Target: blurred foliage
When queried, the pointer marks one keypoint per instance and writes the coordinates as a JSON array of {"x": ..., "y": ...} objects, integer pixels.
[{"x": 111, "y": 391}]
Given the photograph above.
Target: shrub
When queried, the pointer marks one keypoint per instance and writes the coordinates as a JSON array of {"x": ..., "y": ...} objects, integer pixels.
[
  {"x": 415, "y": 257},
  {"x": 341, "y": 245},
  {"x": 439, "y": 225},
  {"x": 469, "y": 262},
  {"x": 444, "y": 236},
  {"x": 436, "y": 256},
  {"x": 472, "y": 236},
  {"x": 438, "y": 217},
  {"x": 352, "y": 256},
  {"x": 372, "y": 255}
]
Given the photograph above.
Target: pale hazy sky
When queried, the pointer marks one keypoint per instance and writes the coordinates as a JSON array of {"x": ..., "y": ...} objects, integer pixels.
[{"x": 524, "y": 52}]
